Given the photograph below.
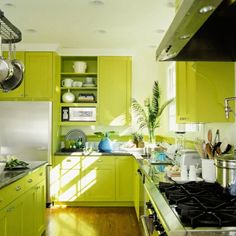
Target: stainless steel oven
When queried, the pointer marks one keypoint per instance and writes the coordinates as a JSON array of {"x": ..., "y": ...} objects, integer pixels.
[{"x": 150, "y": 223}]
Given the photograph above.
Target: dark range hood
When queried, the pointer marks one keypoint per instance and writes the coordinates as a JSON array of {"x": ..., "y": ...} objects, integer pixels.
[{"x": 202, "y": 30}]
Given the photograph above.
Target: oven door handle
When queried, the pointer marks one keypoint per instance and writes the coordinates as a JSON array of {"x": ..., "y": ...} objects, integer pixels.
[{"x": 143, "y": 221}]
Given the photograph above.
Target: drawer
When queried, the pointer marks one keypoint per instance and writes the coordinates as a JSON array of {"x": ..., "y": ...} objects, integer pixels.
[
  {"x": 97, "y": 161},
  {"x": 11, "y": 192},
  {"x": 68, "y": 162}
]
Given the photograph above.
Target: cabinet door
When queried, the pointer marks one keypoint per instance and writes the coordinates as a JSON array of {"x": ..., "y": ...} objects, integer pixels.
[
  {"x": 98, "y": 178},
  {"x": 114, "y": 90},
  {"x": 99, "y": 184},
  {"x": 18, "y": 92},
  {"x": 12, "y": 218},
  {"x": 124, "y": 178},
  {"x": 39, "y": 75},
  {"x": 201, "y": 90},
  {"x": 136, "y": 188},
  {"x": 66, "y": 180},
  {"x": 40, "y": 205},
  {"x": 29, "y": 213}
]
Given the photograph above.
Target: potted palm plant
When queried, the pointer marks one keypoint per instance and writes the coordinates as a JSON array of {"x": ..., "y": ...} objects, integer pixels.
[{"x": 149, "y": 115}]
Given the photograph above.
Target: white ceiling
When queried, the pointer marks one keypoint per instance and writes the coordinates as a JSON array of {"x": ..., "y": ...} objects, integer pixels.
[{"x": 127, "y": 24}]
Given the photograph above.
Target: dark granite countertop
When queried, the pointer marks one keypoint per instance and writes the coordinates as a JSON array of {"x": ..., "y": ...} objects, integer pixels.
[{"x": 9, "y": 176}]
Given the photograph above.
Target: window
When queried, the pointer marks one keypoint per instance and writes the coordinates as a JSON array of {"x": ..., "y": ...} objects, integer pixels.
[{"x": 171, "y": 93}]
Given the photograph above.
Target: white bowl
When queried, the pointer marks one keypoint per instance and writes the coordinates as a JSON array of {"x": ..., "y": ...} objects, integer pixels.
[{"x": 2, "y": 166}]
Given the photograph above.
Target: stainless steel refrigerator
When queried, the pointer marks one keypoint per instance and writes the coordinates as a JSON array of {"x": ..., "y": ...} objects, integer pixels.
[{"x": 25, "y": 131}]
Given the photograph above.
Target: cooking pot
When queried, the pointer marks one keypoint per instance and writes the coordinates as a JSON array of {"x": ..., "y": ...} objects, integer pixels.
[{"x": 226, "y": 170}]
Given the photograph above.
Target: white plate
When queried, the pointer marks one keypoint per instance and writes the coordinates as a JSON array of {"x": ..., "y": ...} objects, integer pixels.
[
  {"x": 178, "y": 180},
  {"x": 89, "y": 85}
]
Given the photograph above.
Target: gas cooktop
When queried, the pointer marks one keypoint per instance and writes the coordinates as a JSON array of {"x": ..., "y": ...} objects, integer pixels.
[{"x": 201, "y": 204}]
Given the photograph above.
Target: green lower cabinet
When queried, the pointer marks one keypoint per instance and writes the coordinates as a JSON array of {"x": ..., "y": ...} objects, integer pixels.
[
  {"x": 29, "y": 213},
  {"x": 124, "y": 178},
  {"x": 25, "y": 214},
  {"x": 99, "y": 184},
  {"x": 39, "y": 205},
  {"x": 90, "y": 179},
  {"x": 11, "y": 219},
  {"x": 136, "y": 188}
]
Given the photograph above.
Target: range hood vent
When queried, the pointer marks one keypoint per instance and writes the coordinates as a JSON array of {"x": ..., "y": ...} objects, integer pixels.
[{"x": 202, "y": 30}]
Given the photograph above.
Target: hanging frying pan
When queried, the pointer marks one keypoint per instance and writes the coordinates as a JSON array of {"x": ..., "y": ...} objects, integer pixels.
[
  {"x": 6, "y": 68},
  {"x": 17, "y": 77}
]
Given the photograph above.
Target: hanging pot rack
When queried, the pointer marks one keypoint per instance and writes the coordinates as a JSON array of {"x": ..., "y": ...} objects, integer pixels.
[{"x": 9, "y": 32}]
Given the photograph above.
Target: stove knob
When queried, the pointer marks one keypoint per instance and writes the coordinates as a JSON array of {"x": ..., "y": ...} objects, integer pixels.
[
  {"x": 162, "y": 234},
  {"x": 149, "y": 205}
]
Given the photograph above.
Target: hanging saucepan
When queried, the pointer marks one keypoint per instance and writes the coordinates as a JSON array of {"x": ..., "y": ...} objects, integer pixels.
[
  {"x": 16, "y": 78},
  {"x": 6, "y": 68},
  {"x": 17, "y": 62}
]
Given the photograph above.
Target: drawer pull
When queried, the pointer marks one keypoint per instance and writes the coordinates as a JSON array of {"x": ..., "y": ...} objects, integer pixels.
[
  {"x": 18, "y": 188},
  {"x": 68, "y": 160},
  {"x": 41, "y": 174},
  {"x": 10, "y": 209},
  {"x": 30, "y": 180}
]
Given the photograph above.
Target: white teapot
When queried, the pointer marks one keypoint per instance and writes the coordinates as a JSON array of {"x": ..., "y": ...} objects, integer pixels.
[{"x": 68, "y": 97}]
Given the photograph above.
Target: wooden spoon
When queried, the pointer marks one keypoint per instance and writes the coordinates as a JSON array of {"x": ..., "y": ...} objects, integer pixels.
[
  {"x": 209, "y": 137},
  {"x": 209, "y": 151}
]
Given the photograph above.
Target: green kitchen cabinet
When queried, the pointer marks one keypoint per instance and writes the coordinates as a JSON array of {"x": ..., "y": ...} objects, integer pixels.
[
  {"x": 201, "y": 88},
  {"x": 136, "y": 188},
  {"x": 23, "y": 210},
  {"x": 38, "y": 79},
  {"x": 39, "y": 205},
  {"x": 11, "y": 219},
  {"x": 66, "y": 179},
  {"x": 124, "y": 178},
  {"x": 98, "y": 178},
  {"x": 38, "y": 75},
  {"x": 18, "y": 92},
  {"x": 86, "y": 95},
  {"x": 114, "y": 90}
]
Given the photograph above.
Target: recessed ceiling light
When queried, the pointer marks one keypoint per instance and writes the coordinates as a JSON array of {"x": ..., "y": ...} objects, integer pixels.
[
  {"x": 160, "y": 31},
  {"x": 152, "y": 46},
  {"x": 9, "y": 4},
  {"x": 31, "y": 30},
  {"x": 101, "y": 31},
  {"x": 206, "y": 9},
  {"x": 96, "y": 2}
]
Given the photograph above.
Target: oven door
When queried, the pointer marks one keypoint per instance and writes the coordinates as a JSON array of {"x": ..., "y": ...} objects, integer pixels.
[{"x": 150, "y": 224}]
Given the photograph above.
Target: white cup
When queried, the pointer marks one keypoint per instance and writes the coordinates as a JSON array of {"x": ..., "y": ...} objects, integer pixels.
[
  {"x": 67, "y": 82},
  {"x": 208, "y": 170},
  {"x": 77, "y": 84},
  {"x": 192, "y": 173},
  {"x": 80, "y": 66},
  {"x": 89, "y": 80},
  {"x": 184, "y": 172}
]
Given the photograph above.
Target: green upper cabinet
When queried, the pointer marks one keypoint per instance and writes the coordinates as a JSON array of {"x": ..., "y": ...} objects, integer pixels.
[
  {"x": 38, "y": 79},
  {"x": 38, "y": 75},
  {"x": 114, "y": 90},
  {"x": 201, "y": 88},
  {"x": 18, "y": 92}
]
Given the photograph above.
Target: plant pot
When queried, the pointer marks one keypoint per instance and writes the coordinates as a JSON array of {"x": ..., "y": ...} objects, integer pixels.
[{"x": 105, "y": 145}]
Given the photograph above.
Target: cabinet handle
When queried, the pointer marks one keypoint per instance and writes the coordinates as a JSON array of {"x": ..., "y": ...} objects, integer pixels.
[
  {"x": 68, "y": 160},
  {"x": 10, "y": 209},
  {"x": 41, "y": 174},
  {"x": 30, "y": 180},
  {"x": 18, "y": 188},
  {"x": 37, "y": 187}
]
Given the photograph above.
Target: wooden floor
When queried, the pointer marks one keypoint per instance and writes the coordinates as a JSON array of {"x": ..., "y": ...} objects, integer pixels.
[{"x": 92, "y": 221}]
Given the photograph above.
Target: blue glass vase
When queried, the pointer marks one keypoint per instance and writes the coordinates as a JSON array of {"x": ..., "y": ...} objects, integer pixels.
[{"x": 105, "y": 145}]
